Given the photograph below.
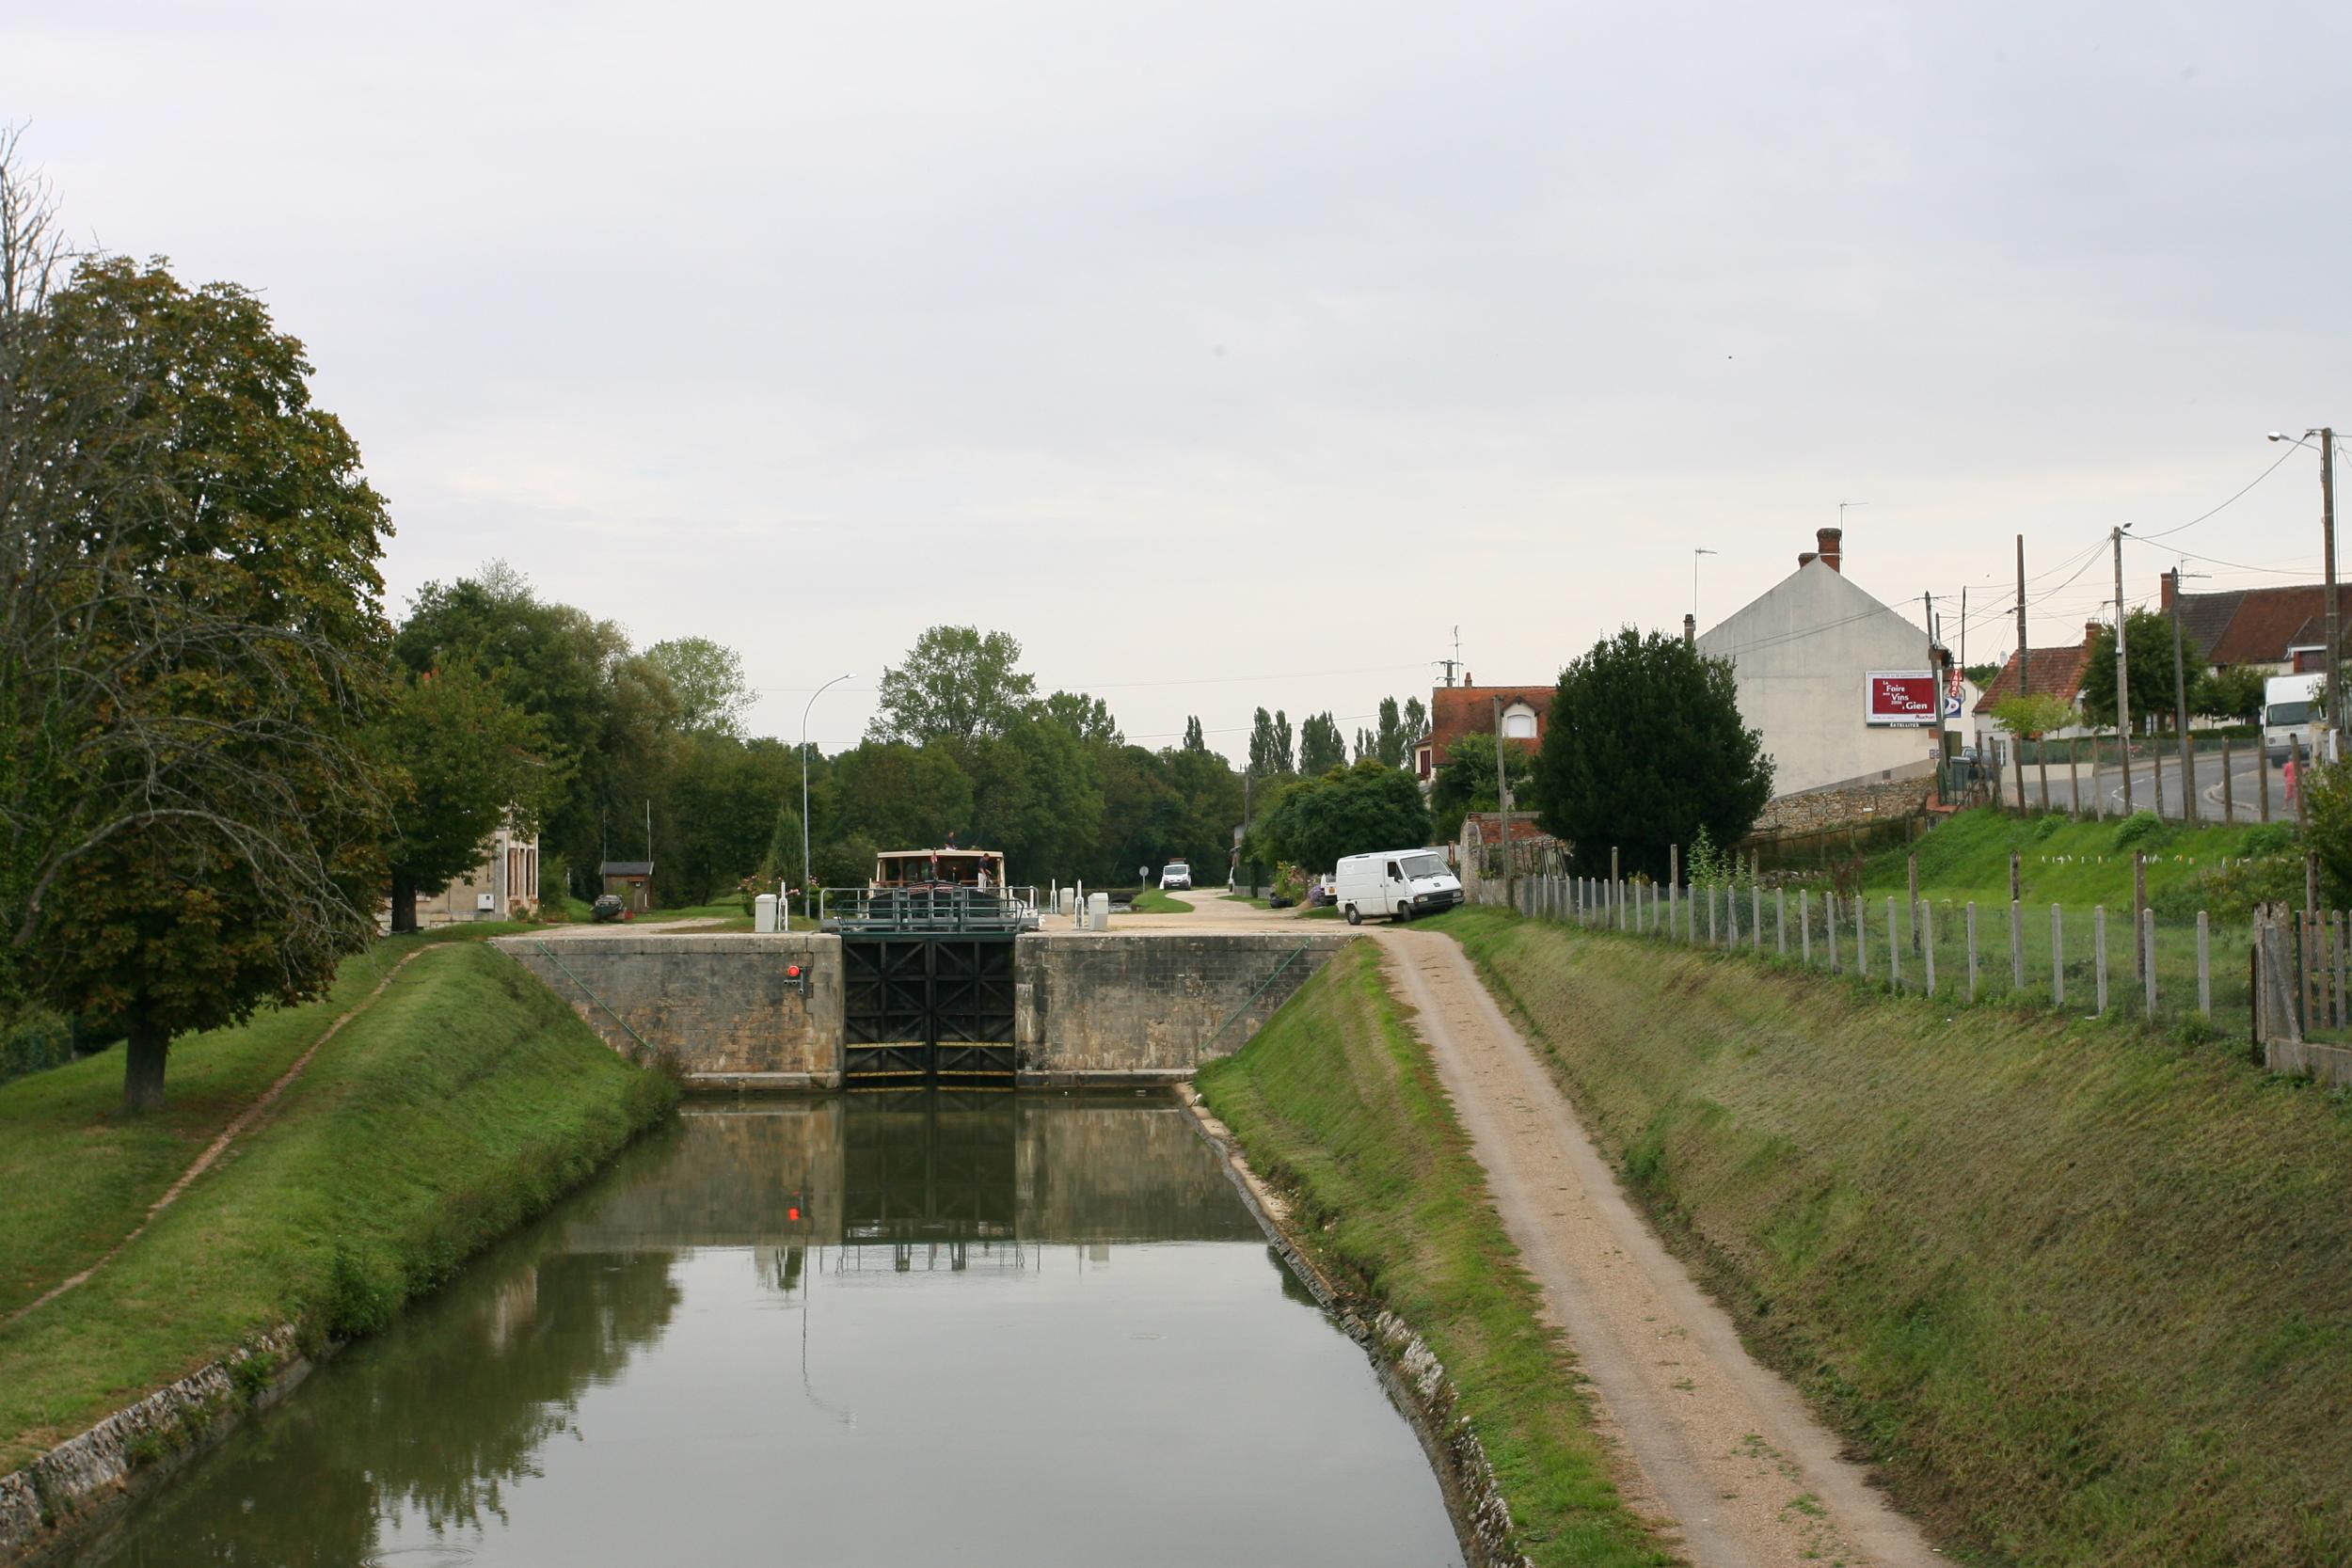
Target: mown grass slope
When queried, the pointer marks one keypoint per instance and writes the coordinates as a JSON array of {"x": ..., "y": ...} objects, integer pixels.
[
  {"x": 467, "y": 1098},
  {"x": 2084, "y": 1293},
  {"x": 1336, "y": 1102},
  {"x": 2066, "y": 862}
]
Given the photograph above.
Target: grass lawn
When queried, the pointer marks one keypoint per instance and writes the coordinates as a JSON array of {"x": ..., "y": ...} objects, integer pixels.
[
  {"x": 2083, "y": 1291},
  {"x": 1336, "y": 1102},
  {"x": 2064, "y": 861},
  {"x": 1152, "y": 901},
  {"x": 75, "y": 1178},
  {"x": 464, "y": 1099}
]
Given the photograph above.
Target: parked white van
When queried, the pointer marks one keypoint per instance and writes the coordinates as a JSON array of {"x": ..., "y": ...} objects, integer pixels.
[
  {"x": 1399, "y": 884},
  {"x": 2291, "y": 715}
]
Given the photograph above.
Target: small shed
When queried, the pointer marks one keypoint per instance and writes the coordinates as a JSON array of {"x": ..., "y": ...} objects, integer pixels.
[{"x": 632, "y": 881}]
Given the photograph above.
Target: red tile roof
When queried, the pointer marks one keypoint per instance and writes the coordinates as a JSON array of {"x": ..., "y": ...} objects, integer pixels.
[
  {"x": 2267, "y": 622},
  {"x": 2053, "y": 672},
  {"x": 1455, "y": 712}
]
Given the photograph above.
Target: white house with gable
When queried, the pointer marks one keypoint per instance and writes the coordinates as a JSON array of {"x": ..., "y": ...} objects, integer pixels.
[{"x": 1810, "y": 656}]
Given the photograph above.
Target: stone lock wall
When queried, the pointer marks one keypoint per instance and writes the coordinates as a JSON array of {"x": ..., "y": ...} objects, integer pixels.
[
  {"x": 720, "y": 1003},
  {"x": 1113, "y": 1005}
]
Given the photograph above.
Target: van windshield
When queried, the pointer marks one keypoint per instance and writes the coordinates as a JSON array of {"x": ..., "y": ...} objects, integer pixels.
[
  {"x": 1424, "y": 865},
  {"x": 2292, "y": 713}
]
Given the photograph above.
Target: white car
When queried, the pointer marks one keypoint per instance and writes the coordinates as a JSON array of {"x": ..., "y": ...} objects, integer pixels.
[{"x": 1176, "y": 873}]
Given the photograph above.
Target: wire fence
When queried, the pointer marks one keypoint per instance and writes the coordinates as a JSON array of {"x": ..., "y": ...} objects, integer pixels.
[{"x": 2088, "y": 961}]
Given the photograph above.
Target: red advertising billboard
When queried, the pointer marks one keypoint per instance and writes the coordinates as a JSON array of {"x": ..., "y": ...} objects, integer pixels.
[{"x": 1900, "y": 697}]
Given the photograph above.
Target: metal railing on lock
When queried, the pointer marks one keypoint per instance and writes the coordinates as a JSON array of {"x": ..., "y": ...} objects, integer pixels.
[{"x": 927, "y": 910}]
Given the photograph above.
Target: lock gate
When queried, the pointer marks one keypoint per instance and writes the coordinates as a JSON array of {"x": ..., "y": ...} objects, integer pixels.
[{"x": 926, "y": 1008}]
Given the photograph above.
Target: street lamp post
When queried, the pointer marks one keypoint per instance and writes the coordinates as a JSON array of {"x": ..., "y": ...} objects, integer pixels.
[{"x": 808, "y": 895}]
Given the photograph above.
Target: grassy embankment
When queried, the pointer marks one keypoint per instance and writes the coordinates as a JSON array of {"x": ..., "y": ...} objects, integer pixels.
[
  {"x": 2084, "y": 866},
  {"x": 2084, "y": 1293},
  {"x": 1152, "y": 900},
  {"x": 1336, "y": 1103},
  {"x": 463, "y": 1099}
]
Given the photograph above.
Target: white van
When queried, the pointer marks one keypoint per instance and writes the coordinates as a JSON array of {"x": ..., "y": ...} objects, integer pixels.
[
  {"x": 1399, "y": 884},
  {"x": 2291, "y": 713}
]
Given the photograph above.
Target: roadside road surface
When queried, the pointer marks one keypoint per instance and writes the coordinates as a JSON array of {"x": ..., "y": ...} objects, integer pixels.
[{"x": 1724, "y": 1448}]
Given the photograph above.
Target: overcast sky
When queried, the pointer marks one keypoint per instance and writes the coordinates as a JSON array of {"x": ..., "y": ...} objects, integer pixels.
[{"x": 1228, "y": 355}]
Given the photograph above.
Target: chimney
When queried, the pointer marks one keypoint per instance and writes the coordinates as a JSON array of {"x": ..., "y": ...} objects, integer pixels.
[
  {"x": 2165, "y": 603},
  {"x": 1469, "y": 680},
  {"x": 1805, "y": 559},
  {"x": 1831, "y": 554},
  {"x": 2091, "y": 632},
  {"x": 1689, "y": 631}
]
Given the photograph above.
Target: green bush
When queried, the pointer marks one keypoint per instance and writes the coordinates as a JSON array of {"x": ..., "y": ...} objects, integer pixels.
[
  {"x": 32, "y": 1041},
  {"x": 2137, "y": 829}
]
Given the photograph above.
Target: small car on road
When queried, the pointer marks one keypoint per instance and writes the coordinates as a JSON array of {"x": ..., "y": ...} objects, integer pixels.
[{"x": 1176, "y": 873}]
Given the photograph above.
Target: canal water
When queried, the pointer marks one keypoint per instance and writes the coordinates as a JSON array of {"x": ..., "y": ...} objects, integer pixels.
[{"x": 902, "y": 1328}]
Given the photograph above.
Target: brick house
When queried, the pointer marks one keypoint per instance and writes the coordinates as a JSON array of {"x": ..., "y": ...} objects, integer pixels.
[
  {"x": 2050, "y": 672},
  {"x": 505, "y": 886},
  {"x": 1468, "y": 708}
]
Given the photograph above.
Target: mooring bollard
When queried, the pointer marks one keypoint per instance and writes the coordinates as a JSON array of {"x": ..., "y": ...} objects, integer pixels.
[
  {"x": 2099, "y": 951},
  {"x": 1972, "y": 949},
  {"x": 2204, "y": 970},
  {"x": 2057, "y": 957}
]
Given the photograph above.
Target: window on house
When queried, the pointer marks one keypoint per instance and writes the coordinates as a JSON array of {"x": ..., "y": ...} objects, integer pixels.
[{"x": 1519, "y": 723}]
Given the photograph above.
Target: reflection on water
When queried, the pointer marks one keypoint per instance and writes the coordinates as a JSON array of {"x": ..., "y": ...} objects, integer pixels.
[{"x": 981, "y": 1328}]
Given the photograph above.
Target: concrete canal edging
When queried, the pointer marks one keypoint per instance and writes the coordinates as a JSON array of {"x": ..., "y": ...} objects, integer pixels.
[
  {"x": 1415, "y": 1379},
  {"x": 1086, "y": 1009}
]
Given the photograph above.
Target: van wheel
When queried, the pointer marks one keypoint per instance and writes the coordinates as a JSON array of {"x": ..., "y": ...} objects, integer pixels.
[
  {"x": 1404, "y": 912},
  {"x": 1355, "y": 917}
]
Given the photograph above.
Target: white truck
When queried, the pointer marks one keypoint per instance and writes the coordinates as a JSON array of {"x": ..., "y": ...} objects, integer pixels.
[
  {"x": 1398, "y": 883},
  {"x": 2291, "y": 713}
]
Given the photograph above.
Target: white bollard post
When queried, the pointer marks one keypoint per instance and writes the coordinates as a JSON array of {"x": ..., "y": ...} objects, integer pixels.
[
  {"x": 1098, "y": 912},
  {"x": 764, "y": 914}
]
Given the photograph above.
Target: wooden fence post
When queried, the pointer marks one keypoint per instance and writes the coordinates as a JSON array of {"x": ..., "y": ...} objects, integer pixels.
[
  {"x": 1780, "y": 920},
  {"x": 2098, "y": 796},
  {"x": 2262, "y": 750},
  {"x": 1805, "y": 926},
  {"x": 1829, "y": 924},
  {"x": 2204, "y": 967},
  {"x": 2057, "y": 957},
  {"x": 2099, "y": 953},
  {"x": 1972, "y": 949},
  {"x": 1926, "y": 942},
  {"x": 2074, "y": 781},
  {"x": 2140, "y": 904},
  {"x": 1894, "y": 947},
  {"x": 1756, "y": 917},
  {"x": 1911, "y": 875},
  {"x": 2147, "y": 955},
  {"x": 1711, "y": 914},
  {"x": 2229, "y": 795},
  {"x": 1731, "y": 915},
  {"x": 2016, "y": 945},
  {"x": 1861, "y": 936}
]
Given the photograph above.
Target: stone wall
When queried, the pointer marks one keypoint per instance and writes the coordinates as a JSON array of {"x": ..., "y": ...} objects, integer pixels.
[
  {"x": 720, "y": 1003},
  {"x": 1848, "y": 806},
  {"x": 1152, "y": 1006}
]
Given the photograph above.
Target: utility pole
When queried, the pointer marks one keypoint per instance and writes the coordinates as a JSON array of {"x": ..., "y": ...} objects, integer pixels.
[
  {"x": 2180, "y": 710},
  {"x": 1935, "y": 697},
  {"x": 1503, "y": 806},
  {"x": 2123, "y": 675},
  {"x": 1454, "y": 664},
  {"x": 2327, "y": 545},
  {"x": 2025, "y": 668}
]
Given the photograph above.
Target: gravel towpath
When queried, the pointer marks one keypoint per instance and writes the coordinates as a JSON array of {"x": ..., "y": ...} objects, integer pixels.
[{"x": 1717, "y": 1445}]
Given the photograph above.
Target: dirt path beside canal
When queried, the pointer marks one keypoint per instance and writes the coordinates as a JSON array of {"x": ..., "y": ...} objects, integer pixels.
[{"x": 1722, "y": 1446}]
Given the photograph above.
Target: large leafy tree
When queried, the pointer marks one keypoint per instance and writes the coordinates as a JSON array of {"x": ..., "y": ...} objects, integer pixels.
[
  {"x": 1321, "y": 748},
  {"x": 2233, "y": 694},
  {"x": 708, "y": 677},
  {"x": 1351, "y": 811},
  {"x": 957, "y": 684},
  {"x": 1644, "y": 748},
  {"x": 191, "y": 633},
  {"x": 1036, "y": 796},
  {"x": 1088, "y": 718},
  {"x": 467, "y": 760},
  {"x": 1270, "y": 745},
  {"x": 2148, "y": 651},
  {"x": 1194, "y": 739},
  {"x": 899, "y": 796}
]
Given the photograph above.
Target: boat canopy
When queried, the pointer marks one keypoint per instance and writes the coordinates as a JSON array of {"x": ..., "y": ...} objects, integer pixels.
[{"x": 947, "y": 867}]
